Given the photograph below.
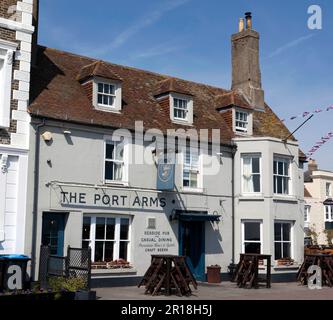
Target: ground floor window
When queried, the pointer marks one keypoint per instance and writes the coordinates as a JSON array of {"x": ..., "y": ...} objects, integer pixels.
[
  {"x": 107, "y": 236},
  {"x": 252, "y": 236},
  {"x": 282, "y": 239}
]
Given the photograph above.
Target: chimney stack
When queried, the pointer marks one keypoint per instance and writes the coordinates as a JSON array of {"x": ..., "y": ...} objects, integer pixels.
[
  {"x": 35, "y": 16},
  {"x": 246, "y": 74},
  {"x": 312, "y": 166}
]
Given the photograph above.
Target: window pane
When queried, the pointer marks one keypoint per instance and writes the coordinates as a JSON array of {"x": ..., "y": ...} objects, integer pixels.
[
  {"x": 278, "y": 250},
  {"x": 86, "y": 228},
  {"x": 100, "y": 87},
  {"x": 124, "y": 228},
  {"x": 279, "y": 185},
  {"x": 286, "y": 227},
  {"x": 123, "y": 250},
  {"x": 255, "y": 165},
  {"x": 119, "y": 155},
  {"x": 286, "y": 250},
  {"x": 252, "y": 231},
  {"x": 280, "y": 168},
  {"x": 106, "y": 88},
  {"x": 275, "y": 167},
  {"x": 108, "y": 251},
  {"x": 85, "y": 244},
  {"x": 256, "y": 183},
  {"x": 99, "y": 251},
  {"x": 277, "y": 231},
  {"x": 285, "y": 186},
  {"x": 109, "y": 150},
  {"x": 118, "y": 171},
  {"x": 100, "y": 99},
  {"x": 100, "y": 228},
  {"x": 110, "y": 227},
  {"x": 252, "y": 247},
  {"x": 108, "y": 170}
]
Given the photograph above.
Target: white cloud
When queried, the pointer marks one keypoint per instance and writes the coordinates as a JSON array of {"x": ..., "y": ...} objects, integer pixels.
[
  {"x": 143, "y": 23},
  {"x": 290, "y": 45}
]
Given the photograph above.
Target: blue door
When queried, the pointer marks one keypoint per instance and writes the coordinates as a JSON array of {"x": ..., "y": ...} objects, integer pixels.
[
  {"x": 192, "y": 245},
  {"x": 53, "y": 232}
]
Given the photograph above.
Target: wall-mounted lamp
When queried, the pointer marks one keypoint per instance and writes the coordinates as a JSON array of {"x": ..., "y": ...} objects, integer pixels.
[
  {"x": 47, "y": 136},
  {"x": 67, "y": 132}
]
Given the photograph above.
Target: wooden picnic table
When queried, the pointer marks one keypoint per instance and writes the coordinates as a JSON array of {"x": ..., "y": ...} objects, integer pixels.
[
  {"x": 168, "y": 273},
  {"x": 247, "y": 271}
]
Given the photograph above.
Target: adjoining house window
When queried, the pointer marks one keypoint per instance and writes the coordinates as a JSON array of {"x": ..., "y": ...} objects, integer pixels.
[
  {"x": 306, "y": 213},
  {"x": 180, "y": 109},
  {"x": 328, "y": 189},
  {"x": 328, "y": 213},
  {"x": 241, "y": 123},
  {"x": 252, "y": 236},
  {"x": 114, "y": 161},
  {"x": 191, "y": 170},
  {"x": 281, "y": 174},
  {"x": 251, "y": 173},
  {"x": 282, "y": 240},
  {"x": 106, "y": 94},
  {"x": 108, "y": 237}
]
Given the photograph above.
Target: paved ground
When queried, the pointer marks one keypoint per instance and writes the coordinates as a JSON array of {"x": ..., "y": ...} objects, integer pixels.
[{"x": 225, "y": 291}]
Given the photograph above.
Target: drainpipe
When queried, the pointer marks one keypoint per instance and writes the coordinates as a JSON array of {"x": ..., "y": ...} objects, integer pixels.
[{"x": 35, "y": 199}]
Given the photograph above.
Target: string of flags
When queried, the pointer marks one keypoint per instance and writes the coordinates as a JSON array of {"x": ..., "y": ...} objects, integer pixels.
[
  {"x": 320, "y": 143},
  {"x": 306, "y": 113}
]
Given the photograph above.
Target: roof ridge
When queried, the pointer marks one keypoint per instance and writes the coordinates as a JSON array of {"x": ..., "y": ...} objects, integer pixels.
[{"x": 136, "y": 69}]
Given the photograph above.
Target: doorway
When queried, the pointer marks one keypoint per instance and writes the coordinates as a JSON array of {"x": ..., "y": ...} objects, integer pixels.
[
  {"x": 53, "y": 232},
  {"x": 192, "y": 245}
]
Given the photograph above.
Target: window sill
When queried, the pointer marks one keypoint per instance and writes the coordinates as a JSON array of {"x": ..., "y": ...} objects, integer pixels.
[
  {"x": 251, "y": 197},
  {"x": 116, "y": 183},
  {"x": 108, "y": 109},
  {"x": 295, "y": 266},
  {"x": 182, "y": 122},
  {"x": 111, "y": 272},
  {"x": 284, "y": 198},
  {"x": 191, "y": 190}
]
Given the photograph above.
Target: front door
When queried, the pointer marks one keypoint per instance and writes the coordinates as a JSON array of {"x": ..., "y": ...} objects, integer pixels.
[
  {"x": 53, "y": 232},
  {"x": 192, "y": 245}
]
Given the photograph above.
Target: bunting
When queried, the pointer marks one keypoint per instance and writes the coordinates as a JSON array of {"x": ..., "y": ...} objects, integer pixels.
[
  {"x": 319, "y": 144},
  {"x": 307, "y": 113}
]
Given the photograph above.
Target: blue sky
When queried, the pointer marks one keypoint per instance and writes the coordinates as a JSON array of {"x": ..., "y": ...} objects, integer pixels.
[{"x": 190, "y": 39}]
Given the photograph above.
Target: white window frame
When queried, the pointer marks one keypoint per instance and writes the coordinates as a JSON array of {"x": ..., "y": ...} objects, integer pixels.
[
  {"x": 287, "y": 160},
  {"x": 291, "y": 241},
  {"x": 112, "y": 140},
  {"x": 307, "y": 209},
  {"x": 246, "y": 122},
  {"x": 189, "y": 114},
  {"x": 251, "y": 155},
  {"x": 328, "y": 189},
  {"x": 7, "y": 53},
  {"x": 199, "y": 187},
  {"x": 328, "y": 211},
  {"x": 116, "y": 240},
  {"x": 243, "y": 222},
  {"x": 116, "y": 107}
]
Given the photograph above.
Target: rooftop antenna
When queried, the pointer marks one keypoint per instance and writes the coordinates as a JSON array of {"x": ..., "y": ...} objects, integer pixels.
[{"x": 299, "y": 127}]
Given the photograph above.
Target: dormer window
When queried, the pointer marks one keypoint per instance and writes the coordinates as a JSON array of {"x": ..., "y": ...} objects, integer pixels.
[
  {"x": 107, "y": 95},
  {"x": 180, "y": 109},
  {"x": 241, "y": 121}
]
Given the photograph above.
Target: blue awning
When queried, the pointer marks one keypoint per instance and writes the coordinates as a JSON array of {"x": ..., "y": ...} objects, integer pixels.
[{"x": 196, "y": 216}]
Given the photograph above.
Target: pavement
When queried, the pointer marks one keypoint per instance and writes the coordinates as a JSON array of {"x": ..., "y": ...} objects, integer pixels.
[{"x": 224, "y": 291}]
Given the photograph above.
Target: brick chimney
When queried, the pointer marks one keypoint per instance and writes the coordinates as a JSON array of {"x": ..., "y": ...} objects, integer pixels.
[
  {"x": 312, "y": 166},
  {"x": 246, "y": 75}
]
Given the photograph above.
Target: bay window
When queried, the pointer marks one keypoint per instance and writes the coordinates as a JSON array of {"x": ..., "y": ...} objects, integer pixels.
[
  {"x": 108, "y": 237},
  {"x": 282, "y": 240},
  {"x": 252, "y": 236},
  {"x": 281, "y": 175},
  {"x": 251, "y": 173}
]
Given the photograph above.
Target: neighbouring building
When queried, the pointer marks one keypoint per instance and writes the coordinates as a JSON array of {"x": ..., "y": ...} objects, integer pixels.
[
  {"x": 318, "y": 196},
  {"x": 16, "y": 37},
  {"x": 244, "y": 193}
]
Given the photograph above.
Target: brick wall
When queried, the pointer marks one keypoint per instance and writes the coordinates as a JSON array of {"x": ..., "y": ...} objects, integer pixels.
[
  {"x": 9, "y": 35},
  {"x": 4, "y": 6}
]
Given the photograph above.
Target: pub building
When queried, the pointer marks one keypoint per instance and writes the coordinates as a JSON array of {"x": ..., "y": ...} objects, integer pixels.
[{"x": 87, "y": 191}]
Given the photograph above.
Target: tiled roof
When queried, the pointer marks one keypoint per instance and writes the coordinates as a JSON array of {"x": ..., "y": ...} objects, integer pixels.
[
  {"x": 58, "y": 94},
  {"x": 233, "y": 98}
]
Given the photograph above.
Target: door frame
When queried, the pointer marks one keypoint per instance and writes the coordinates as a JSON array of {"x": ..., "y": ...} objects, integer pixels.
[
  {"x": 61, "y": 231},
  {"x": 202, "y": 264}
]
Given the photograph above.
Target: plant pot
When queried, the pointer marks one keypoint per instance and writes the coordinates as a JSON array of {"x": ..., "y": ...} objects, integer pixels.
[{"x": 85, "y": 295}]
